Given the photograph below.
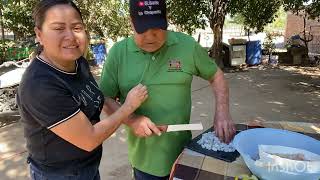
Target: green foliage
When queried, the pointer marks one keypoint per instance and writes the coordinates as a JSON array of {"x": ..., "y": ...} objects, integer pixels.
[
  {"x": 13, "y": 50},
  {"x": 299, "y": 7},
  {"x": 307, "y": 9},
  {"x": 268, "y": 43},
  {"x": 279, "y": 23},
  {"x": 314, "y": 10},
  {"x": 236, "y": 19},
  {"x": 295, "y": 6},
  {"x": 17, "y": 17},
  {"x": 256, "y": 14},
  {"x": 7, "y": 44},
  {"x": 4, "y": 45},
  {"x": 189, "y": 14},
  {"x": 107, "y": 18}
]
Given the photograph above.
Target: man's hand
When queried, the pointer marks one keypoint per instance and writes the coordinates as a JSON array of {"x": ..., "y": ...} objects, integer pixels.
[
  {"x": 224, "y": 127},
  {"x": 223, "y": 124},
  {"x": 142, "y": 126}
]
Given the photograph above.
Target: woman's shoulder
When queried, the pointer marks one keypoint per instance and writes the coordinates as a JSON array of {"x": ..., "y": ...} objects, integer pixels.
[
  {"x": 37, "y": 76},
  {"x": 36, "y": 70}
]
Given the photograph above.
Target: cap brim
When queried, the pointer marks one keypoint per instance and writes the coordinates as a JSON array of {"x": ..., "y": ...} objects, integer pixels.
[{"x": 142, "y": 25}]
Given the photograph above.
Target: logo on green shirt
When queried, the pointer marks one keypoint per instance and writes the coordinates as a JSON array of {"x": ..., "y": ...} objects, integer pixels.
[{"x": 174, "y": 65}]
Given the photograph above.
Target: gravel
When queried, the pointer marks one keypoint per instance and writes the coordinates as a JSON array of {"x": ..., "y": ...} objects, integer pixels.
[{"x": 8, "y": 99}]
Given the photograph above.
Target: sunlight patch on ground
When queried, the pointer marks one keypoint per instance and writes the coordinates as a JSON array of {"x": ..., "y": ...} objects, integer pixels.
[
  {"x": 261, "y": 85},
  {"x": 316, "y": 129},
  {"x": 311, "y": 71},
  {"x": 275, "y": 102},
  {"x": 276, "y": 110},
  {"x": 4, "y": 147},
  {"x": 308, "y": 84}
]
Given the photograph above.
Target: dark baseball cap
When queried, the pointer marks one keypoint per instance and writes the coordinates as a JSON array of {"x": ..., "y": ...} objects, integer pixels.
[{"x": 148, "y": 14}]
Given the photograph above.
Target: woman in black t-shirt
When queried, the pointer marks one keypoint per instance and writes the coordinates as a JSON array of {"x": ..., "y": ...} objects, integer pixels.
[{"x": 60, "y": 102}]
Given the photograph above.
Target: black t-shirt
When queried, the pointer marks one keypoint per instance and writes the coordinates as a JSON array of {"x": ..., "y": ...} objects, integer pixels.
[{"x": 48, "y": 96}]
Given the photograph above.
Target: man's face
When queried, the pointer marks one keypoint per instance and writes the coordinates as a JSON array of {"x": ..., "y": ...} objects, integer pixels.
[{"x": 151, "y": 40}]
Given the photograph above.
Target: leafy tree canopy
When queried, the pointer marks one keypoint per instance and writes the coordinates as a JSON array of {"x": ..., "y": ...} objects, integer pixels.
[
  {"x": 189, "y": 14},
  {"x": 300, "y": 7},
  {"x": 256, "y": 13},
  {"x": 106, "y": 18}
]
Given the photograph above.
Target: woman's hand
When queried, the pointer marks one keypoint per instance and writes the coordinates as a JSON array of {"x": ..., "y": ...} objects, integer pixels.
[{"x": 136, "y": 97}]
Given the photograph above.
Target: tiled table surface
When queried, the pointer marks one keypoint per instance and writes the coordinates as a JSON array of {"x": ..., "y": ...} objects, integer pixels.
[{"x": 195, "y": 166}]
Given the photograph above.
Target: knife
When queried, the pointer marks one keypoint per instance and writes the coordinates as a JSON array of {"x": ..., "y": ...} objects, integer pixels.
[{"x": 181, "y": 127}]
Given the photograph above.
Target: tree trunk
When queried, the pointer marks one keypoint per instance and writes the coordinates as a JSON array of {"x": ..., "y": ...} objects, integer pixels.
[
  {"x": 305, "y": 58},
  {"x": 304, "y": 31},
  {"x": 2, "y": 27},
  {"x": 216, "y": 49},
  {"x": 199, "y": 37},
  {"x": 217, "y": 18},
  {"x": 2, "y": 37},
  {"x": 306, "y": 39}
]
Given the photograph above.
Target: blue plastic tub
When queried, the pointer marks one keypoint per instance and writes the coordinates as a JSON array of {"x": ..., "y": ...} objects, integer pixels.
[
  {"x": 253, "y": 52},
  {"x": 246, "y": 143},
  {"x": 99, "y": 53}
]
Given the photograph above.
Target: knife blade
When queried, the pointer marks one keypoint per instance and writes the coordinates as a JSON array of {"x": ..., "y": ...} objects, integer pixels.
[{"x": 184, "y": 127}]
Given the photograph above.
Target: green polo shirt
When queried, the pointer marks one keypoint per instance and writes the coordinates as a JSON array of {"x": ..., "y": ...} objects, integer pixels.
[{"x": 167, "y": 74}]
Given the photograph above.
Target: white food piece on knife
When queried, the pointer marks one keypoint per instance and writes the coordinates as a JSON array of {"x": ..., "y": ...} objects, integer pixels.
[{"x": 184, "y": 127}]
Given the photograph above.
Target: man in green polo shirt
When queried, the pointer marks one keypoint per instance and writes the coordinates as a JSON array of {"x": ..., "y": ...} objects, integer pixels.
[{"x": 165, "y": 62}]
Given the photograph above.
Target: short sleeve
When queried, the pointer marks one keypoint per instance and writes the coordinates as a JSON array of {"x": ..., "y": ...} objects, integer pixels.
[
  {"x": 109, "y": 76},
  {"x": 205, "y": 66},
  {"x": 48, "y": 102}
]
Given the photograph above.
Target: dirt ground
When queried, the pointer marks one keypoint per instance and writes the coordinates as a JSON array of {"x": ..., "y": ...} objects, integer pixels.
[{"x": 284, "y": 93}]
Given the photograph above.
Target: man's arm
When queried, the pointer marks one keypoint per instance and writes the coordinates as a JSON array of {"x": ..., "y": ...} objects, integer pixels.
[
  {"x": 110, "y": 106},
  {"x": 142, "y": 126},
  {"x": 223, "y": 124}
]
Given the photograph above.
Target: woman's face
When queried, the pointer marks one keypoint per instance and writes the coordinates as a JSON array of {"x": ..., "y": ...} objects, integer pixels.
[{"x": 62, "y": 34}]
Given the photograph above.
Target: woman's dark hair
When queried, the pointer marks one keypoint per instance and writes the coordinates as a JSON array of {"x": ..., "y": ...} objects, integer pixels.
[{"x": 39, "y": 12}]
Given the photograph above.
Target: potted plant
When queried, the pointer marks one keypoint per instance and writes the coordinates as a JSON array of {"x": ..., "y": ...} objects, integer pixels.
[{"x": 269, "y": 47}]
